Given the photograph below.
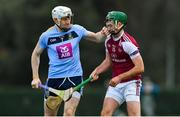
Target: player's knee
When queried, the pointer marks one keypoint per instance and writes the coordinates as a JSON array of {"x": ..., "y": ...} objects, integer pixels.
[
  {"x": 133, "y": 108},
  {"x": 53, "y": 102},
  {"x": 134, "y": 113},
  {"x": 106, "y": 112},
  {"x": 69, "y": 112}
]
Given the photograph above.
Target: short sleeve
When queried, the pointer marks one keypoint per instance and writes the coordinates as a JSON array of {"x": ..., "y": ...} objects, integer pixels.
[
  {"x": 82, "y": 31},
  {"x": 130, "y": 49},
  {"x": 42, "y": 41}
]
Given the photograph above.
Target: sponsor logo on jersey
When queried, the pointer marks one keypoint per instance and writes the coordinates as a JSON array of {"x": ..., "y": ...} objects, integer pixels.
[
  {"x": 119, "y": 60},
  {"x": 64, "y": 51}
]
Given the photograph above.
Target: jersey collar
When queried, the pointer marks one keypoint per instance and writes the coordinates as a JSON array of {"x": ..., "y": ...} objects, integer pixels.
[{"x": 119, "y": 37}]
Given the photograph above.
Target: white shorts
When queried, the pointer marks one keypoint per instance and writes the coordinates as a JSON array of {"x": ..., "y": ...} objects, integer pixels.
[
  {"x": 127, "y": 91},
  {"x": 76, "y": 94}
]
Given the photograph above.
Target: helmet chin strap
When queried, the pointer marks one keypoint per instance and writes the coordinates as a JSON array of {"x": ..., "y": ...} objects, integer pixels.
[
  {"x": 122, "y": 26},
  {"x": 59, "y": 26}
]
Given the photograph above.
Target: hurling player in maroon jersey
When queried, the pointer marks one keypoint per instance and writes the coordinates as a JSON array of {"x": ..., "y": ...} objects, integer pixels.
[{"x": 123, "y": 56}]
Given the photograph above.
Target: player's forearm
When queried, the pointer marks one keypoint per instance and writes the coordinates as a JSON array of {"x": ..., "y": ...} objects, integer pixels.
[
  {"x": 131, "y": 73},
  {"x": 104, "y": 66},
  {"x": 100, "y": 37},
  {"x": 137, "y": 69},
  {"x": 35, "y": 60},
  {"x": 95, "y": 37}
]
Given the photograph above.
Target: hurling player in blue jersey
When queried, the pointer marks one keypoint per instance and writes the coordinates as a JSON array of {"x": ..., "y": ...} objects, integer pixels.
[{"x": 62, "y": 44}]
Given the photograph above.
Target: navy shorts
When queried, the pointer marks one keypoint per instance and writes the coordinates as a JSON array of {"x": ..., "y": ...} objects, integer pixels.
[{"x": 63, "y": 84}]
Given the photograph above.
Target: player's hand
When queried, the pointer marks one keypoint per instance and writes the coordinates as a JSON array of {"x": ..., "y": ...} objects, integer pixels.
[
  {"x": 35, "y": 83},
  {"x": 94, "y": 75},
  {"x": 114, "y": 81},
  {"x": 105, "y": 31}
]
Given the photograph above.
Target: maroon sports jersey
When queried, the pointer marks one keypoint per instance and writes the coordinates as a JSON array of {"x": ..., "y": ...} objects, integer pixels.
[{"x": 121, "y": 51}]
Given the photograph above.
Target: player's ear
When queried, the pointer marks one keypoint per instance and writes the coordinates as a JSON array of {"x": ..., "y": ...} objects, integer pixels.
[
  {"x": 119, "y": 25},
  {"x": 55, "y": 20}
]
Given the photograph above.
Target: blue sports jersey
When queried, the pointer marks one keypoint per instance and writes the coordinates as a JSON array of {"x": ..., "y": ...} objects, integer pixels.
[{"x": 63, "y": 51}]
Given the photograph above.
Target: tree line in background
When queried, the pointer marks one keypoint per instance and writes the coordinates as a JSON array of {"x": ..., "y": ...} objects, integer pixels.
[{"x": 154, "y": 24}]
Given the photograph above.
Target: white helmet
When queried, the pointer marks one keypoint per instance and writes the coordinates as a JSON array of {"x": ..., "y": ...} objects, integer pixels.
[{"x": 61, "y": 11}]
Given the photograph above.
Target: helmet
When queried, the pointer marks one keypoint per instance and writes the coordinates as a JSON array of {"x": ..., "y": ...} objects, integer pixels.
[
  {"x": 61, "y": 11},
  {"x": 117, "y": 16}
]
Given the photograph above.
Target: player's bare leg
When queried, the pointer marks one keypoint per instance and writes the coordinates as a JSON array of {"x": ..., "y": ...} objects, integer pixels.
[
  {"x": 109, "y": 107},
  {"x": 70, "y": 106},
  {"x": 51, "y": 105},
  {"x": 133, "y": 108}
]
